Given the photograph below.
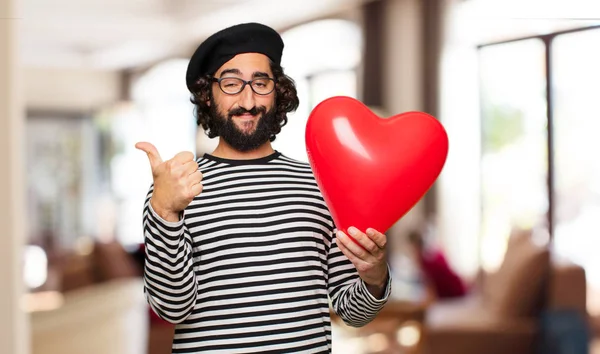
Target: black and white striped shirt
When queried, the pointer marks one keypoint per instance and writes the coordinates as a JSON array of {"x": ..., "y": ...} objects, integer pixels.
[{"x": 253, "y": 263}]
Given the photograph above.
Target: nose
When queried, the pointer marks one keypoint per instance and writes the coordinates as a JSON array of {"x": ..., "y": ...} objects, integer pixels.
[{"x": 247, "y": 98}]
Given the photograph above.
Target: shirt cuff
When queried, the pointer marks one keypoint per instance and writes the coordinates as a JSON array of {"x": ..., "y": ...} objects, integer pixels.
[
  {"x": 386, "y": 293},
  {"x": 169, "y": 224}
]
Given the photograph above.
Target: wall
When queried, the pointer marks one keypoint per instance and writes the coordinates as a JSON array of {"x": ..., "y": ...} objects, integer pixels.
[
  {"x": 69, "y": 89},
  {"x": 402, "y": 86},
  {"x": 13, "y": 322},
  {"x": 458, "y": 197}
]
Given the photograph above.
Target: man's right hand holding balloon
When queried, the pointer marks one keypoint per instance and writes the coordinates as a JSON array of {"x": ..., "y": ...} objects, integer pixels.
[{"x": 176, "y": 181}]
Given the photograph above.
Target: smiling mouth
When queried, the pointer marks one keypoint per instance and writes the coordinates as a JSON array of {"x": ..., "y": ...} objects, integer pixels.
[
  {"x": 245, "y": 116},
  {"x": 246, "y": 122}
]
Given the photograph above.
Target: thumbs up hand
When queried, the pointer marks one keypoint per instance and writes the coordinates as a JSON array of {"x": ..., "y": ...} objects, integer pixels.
[{"x": 176, "y": 181}]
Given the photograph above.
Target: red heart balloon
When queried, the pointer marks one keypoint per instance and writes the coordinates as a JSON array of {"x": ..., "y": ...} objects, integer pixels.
[{"x": 372, "y": 170}]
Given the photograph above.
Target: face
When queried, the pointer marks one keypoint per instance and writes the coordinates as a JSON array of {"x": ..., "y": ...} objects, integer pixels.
[{"x": 243, "y": 118}]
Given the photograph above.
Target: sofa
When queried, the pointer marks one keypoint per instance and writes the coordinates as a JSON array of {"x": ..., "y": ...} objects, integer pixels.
[{"x": 502, "y": 314}]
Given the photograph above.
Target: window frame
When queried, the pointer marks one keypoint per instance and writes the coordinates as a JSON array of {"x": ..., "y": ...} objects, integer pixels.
[{"x": 547, "y": 40}]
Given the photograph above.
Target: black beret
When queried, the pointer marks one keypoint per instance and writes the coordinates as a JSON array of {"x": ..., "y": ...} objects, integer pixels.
[{"x": 222, "y": 46}]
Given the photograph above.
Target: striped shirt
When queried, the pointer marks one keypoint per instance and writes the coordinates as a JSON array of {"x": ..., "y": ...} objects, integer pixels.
[{"x": 252, "y": 266}]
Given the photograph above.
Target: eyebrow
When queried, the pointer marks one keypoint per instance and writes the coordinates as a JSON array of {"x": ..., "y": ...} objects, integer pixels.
[
  {"x": 259, "y": 74},
  {"x": 238, "y": 72},
  {"x": 231, "y": 71}
]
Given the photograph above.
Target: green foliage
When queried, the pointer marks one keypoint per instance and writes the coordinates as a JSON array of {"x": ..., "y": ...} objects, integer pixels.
[{"x": 502, "y": 125}]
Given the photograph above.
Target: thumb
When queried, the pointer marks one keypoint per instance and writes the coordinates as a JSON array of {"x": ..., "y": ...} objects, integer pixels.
[{"x": 153, "y": 154}]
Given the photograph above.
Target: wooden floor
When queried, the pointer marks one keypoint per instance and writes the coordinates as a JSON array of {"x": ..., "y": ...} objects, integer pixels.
[
  {"x": 112, "y": 319},
  {"x": 108, "y": 318}
]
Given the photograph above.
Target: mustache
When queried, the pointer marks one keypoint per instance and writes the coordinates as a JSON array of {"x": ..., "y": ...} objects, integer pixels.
[{"x": 240, "y": 110}]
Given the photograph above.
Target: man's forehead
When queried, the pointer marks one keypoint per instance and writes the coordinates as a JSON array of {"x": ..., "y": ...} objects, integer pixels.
[{"x": 246, "y": 64}]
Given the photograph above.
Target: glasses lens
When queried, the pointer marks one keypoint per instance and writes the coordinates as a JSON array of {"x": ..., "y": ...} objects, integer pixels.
[
  {"x": 231, "y": 85},
  {"x": 263, "y": 86}
]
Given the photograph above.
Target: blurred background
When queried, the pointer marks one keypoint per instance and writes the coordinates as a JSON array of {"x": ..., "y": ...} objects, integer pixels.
[{"x": 513, "y": 222}]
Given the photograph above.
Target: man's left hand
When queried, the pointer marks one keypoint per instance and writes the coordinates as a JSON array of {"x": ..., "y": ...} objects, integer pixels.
[{"x": 370, "y": 260}]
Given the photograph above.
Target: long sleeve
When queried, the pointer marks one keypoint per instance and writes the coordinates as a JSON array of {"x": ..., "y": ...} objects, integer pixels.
[
  {"x": 349, "y": 295},
  {"x": 169, "y": 278}
]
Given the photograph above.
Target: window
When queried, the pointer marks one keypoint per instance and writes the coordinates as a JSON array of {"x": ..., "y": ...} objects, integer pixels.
[
  {"x": 322, "y": 57},
  {"x": 61, "y": 179},
  {"x": 540, "y": 165},
  {"x": 514, "y": 151},
  {"x": 576, "y": 124},
  {"x": 161, "y": 113}
]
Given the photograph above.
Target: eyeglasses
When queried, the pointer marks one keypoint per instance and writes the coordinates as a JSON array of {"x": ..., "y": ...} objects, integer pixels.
[{"x": 235, "y": 85}]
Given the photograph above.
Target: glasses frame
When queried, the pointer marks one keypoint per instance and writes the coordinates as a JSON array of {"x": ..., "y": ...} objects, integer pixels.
[{"x": 244, "y": 83}]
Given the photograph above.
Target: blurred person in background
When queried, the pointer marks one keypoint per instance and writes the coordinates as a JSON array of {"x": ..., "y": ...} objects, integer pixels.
[
  {"x": 242, "y": 253},
  {"x": 441, "y": 280}
]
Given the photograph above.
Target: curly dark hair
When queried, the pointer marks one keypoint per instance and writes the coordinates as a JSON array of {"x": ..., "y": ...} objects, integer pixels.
[{"x": 286, "y": 101}]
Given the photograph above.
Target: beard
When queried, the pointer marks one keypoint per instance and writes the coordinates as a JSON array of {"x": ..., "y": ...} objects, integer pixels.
[{"x": 242, "y": 141}]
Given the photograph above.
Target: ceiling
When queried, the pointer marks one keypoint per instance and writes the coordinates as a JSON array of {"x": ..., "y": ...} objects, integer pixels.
[{"x": 118, "y": 34}]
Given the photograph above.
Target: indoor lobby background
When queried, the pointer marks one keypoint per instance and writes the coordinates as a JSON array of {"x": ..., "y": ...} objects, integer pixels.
[{"x": 515, "y": 84}]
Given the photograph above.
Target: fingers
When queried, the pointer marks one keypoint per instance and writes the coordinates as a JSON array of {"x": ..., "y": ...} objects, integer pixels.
[
  {"x": 195, "y": 178},
  {"x": 195, "y": 184},
  {"x": 152, "y": 153},
  {"x": 351, "y": 246},
  {"x": 190, "y": 167},
  {"x": 366, "y": 242},
  {"x": 377, "y": 237},
  {"x": 372, "y": 268},
  {"x": 349, "y": 254},
  {"x": 184, "y": 157},
  {"x": 196, "y": 189}
]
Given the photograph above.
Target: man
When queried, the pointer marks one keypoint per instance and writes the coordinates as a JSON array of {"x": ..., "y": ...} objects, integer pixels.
[{"x": 241, "y": 249}]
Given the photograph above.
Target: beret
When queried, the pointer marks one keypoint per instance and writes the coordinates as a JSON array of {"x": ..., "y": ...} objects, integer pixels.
[{"x": 222, "y": 46}]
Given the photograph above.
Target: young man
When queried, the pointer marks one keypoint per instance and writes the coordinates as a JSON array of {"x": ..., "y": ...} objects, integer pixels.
[{"x": 241, "y": 251}]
